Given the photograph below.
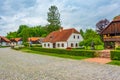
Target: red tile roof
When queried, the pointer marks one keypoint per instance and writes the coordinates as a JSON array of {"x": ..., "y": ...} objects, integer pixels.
[
  {"x": 16, "y": 39},
  {"x": 33, "y": 38},
  {"x": 60, "y": 35},
  {"x": 5, "y": 39}
]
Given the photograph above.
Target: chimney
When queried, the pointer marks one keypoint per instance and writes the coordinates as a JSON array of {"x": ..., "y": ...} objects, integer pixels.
[{"x": 61, "y": 28}]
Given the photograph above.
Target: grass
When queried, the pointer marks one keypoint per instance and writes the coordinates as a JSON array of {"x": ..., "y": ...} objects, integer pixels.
[
  {"x": 98, "y": 47},
  {"x": 114, "y": 62},
  {"x": 3, "y": 46},
  {"x": 53, "y": 54}
]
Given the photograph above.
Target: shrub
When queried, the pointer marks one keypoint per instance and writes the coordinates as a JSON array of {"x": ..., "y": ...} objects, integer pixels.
[
  {"x": 118, "y": 48},
  {"x": 115, "y": 55},
  {"x": 64, "y": 51},
  {"x": 17, "y": 47},
  {"x": 36, "y": 45},
  {"x": 26, "y": 44}
]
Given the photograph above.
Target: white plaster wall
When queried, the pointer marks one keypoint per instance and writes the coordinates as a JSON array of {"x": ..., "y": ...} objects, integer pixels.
[
  {"x": 65, "y": 45},
  {"x": 4, "y": 44},
  {"x": 19, "y": 43},
  {"x": 13, "y": 43},
  {"x": 51, "y": 45},
  {"x": 74, "y": 44},
  {"x": 75, "y": 40},
  {"x": 72, "y": 39}
]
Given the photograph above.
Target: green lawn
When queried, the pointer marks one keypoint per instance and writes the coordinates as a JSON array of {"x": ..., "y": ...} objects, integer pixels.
[
  {"x": 98, "y": 47},
  {"x": 53, "y": 54},
  {"x": 115, "y": 62}
]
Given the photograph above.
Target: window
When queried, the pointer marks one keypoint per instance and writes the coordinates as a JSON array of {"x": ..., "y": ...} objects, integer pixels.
[
  {"x": 74, "y": 36},
  {"x": 48, "y": 45},
  {"x": 71, "y": 44},
  {"x": 58, "y": 45},
  {"x": 76, "y": 45},
  {"x": 62, "y": 45},
  {"x": 78, "y": 37},
  {"x": 44, "y": 45}
]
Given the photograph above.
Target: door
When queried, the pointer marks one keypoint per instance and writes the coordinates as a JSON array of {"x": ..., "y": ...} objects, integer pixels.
[{"x": 54, "y": 45}]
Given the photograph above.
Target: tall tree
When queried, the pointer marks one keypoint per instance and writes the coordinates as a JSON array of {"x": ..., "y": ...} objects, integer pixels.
[
  {"x": 25, "y": 34},
  {"x": 101, "y": 25},
  {"x": 21, "y": 28},
  {"x": 53, "y": 19},
  {"x": 82, "y": 33}
]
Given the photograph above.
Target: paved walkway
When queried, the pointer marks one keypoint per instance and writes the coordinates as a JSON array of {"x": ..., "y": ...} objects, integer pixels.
[
  {"x": 99, "y": 60},
  {"x": 15, "y": 65}
]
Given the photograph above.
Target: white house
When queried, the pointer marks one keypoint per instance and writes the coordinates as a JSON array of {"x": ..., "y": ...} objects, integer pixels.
[
  {"x": 4, "y": 41},
  {"x": 62, "y": 39},
  {"x": 16, "y": 41}
]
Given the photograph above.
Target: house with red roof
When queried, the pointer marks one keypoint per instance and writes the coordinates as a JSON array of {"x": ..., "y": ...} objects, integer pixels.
[
  {"x": 35, "y": 40},
  {"x": 63, "y": 38},
  {"x": 16, "y": 41},
  {"x": 32, "y": 40},
  {"x": 4, "y": 41}
]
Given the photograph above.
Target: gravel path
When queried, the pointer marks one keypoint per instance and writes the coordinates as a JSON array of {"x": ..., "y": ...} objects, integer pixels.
[{"x": 16, "y": 65}]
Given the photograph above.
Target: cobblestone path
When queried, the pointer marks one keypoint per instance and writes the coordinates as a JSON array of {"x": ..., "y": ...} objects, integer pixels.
[{"x": 16, "y": 65}]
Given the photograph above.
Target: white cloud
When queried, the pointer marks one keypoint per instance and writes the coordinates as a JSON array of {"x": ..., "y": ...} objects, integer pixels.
[{"x": 74, "y": 13}]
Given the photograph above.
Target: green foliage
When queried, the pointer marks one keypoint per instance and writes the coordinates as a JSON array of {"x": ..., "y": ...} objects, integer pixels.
[
  {"x": 115, "y": 55},
  {"x": 21, "y": 28},
  {"x": 82, "y": 33},
  {"x": 36, "y": 45},
  {"x": 118, "y": 48},
  {"x": 114, "y": 62},
  {"x": 39, "y": 31},
  {"x": 25, "y": 35},
  {"x": 11, "y": 35},
  {"x": 26, "y": 44},
  {"x": 89, "y": 37},
  {"x": 53, "y": 19},
  {"x": 25, "y": 31},
  {"x": 54, "y": 54},
  {"x": 68, "y": 52}
]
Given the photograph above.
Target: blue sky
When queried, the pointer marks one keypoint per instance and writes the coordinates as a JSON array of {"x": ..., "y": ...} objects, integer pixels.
[{"x": 79, "y": 14}]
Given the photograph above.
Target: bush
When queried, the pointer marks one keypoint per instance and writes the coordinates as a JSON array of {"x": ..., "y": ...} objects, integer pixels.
[
  {"x": 63, "y": 51},
  {"x": 115, "y": 55},
  {"x": 118, "y": 48},
  {"x": 36, "y": 45},
  {"x": 26, "y": 44},
  {"x": 17, "y": 47}
]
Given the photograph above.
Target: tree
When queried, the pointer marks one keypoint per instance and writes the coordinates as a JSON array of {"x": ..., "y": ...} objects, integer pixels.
[
  {"x": 82, "y": 33},
  {"x": 101, "y": 25},
  {"x": 11, "y": 35},
  {"x": 90, "y": 36},
  {"x": 53, "y": 19},
  {"x": 25, "y": 35},
  {"x": 21, "y": 28}
]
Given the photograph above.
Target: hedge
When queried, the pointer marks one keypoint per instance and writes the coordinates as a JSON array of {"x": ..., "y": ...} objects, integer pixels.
[
  {"x": 118, "y": 48},
  {"x": 115, "y": 55},
  {"x": 64, "y": 51}
]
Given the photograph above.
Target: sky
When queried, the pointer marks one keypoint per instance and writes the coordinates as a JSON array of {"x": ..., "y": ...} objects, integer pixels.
[{"x": 78, "y": 14}]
